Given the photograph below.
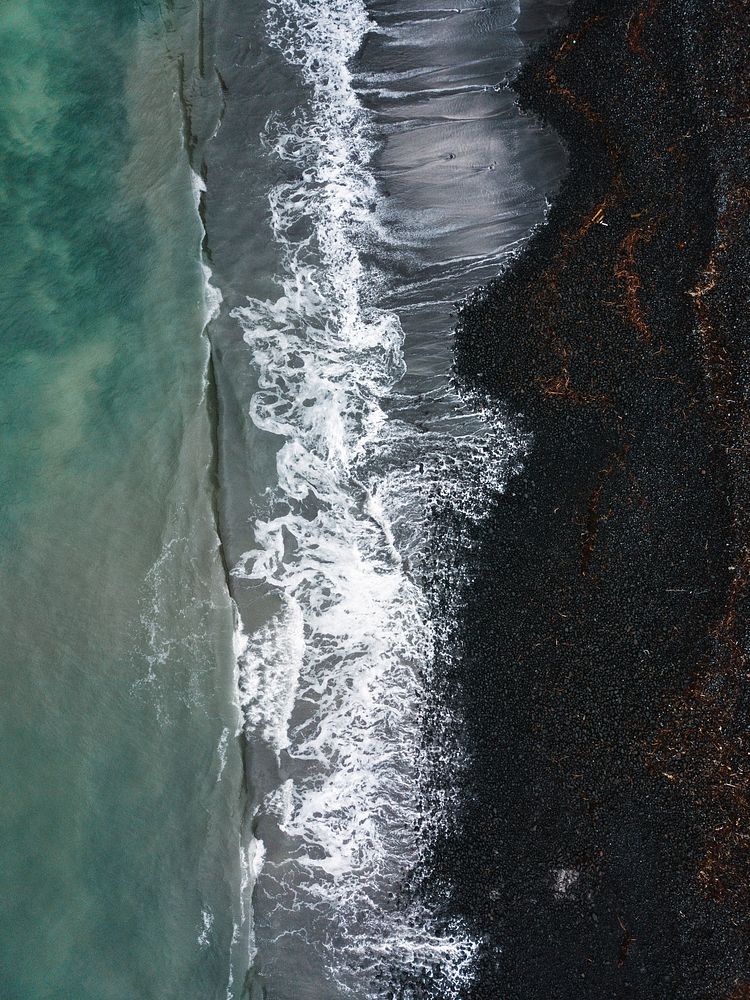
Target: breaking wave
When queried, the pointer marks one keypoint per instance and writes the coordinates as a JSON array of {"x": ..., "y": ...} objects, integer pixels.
[{"x": 336, "y": 684}]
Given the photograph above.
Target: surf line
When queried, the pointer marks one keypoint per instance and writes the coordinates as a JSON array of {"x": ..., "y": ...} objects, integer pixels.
[{"x": 331, "y": 685}]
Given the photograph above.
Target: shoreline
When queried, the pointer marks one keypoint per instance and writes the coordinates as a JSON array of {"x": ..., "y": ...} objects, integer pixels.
[{"x": 603, "y": 683}]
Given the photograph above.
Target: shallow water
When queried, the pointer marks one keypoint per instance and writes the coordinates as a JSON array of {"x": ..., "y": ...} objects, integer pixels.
[{"x": 370, "y": 170}]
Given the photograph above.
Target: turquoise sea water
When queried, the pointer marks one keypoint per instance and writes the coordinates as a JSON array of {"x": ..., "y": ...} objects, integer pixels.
[{"x": 115, "y": 627}]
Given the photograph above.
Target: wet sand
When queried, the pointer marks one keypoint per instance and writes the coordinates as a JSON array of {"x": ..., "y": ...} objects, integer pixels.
[{"x": 604, "y": 683}]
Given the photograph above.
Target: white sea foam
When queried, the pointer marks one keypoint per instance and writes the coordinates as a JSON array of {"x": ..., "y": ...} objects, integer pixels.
[
  {"x": 336, "y": 682},
  {"x": 221, "y": 750},
  {"x": 207, "y": 922},
  {"x": 271, "y": 662}
]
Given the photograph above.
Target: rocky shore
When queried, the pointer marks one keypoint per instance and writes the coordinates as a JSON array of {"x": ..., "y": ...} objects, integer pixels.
[{"x": 605, "y": 831}]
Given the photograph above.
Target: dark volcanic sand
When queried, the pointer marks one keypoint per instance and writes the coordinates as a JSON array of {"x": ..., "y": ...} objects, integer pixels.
[{"x": 606, "y": 823}]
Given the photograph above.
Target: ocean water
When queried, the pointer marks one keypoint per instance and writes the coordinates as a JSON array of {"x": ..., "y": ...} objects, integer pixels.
[
  {"x": 115, "y": 620},
  {"x": 236, "y": 470}
]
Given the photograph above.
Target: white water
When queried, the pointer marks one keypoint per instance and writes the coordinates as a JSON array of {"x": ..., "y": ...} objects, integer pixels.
[{"x": 336, "y": 683}]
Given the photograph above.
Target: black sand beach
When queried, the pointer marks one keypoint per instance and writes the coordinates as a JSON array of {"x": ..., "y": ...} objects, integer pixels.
[{"x": 605, "y": 831}]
